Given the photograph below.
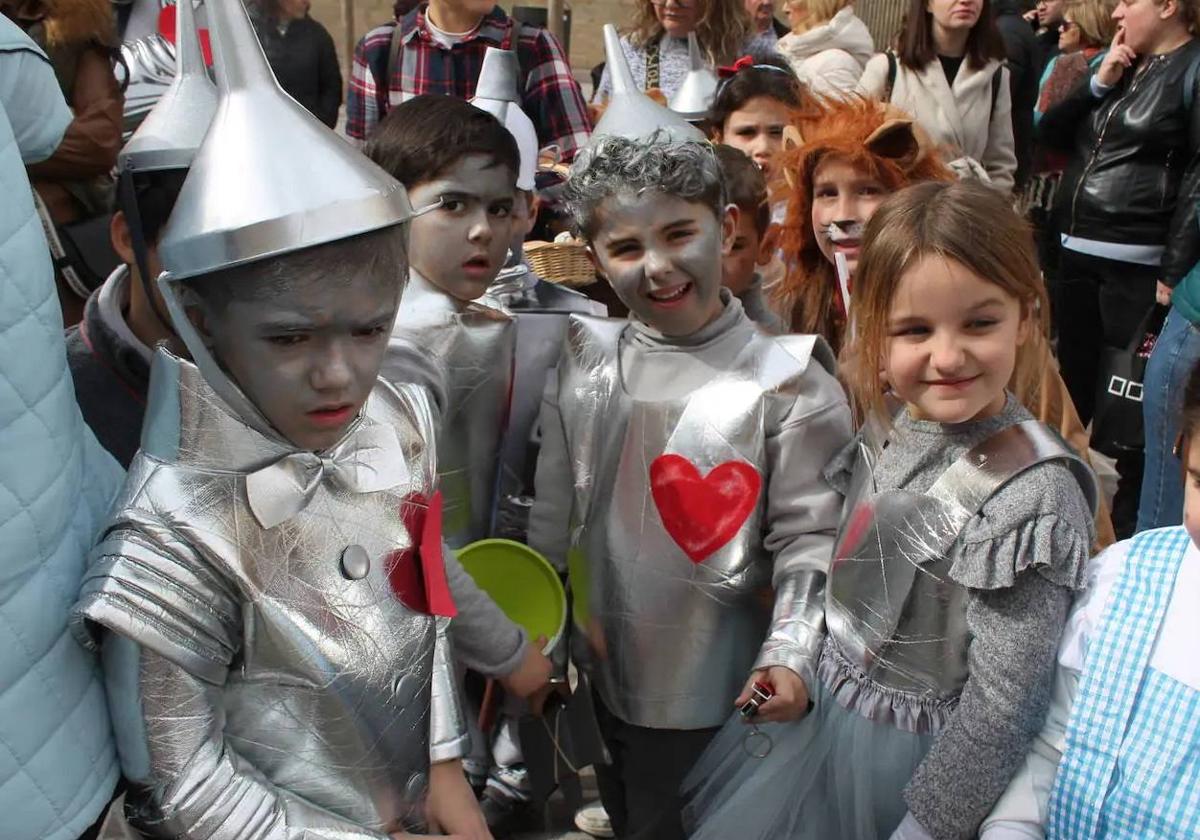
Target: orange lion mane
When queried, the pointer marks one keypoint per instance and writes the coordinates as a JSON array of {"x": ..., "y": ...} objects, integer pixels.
[{"x": 876, "y": 138}]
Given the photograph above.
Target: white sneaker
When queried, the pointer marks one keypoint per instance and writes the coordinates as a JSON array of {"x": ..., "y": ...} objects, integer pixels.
[{"x": 593, "y": 819}]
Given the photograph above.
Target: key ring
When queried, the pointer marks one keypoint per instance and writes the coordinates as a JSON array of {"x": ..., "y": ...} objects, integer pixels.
[{"x": 757, "y": 744}]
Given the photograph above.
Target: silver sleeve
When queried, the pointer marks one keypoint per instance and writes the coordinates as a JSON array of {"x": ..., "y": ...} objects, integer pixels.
[
  {"x": 797, "y": 625},
  {"x": 449, "y": 737},
  {"x": 185, "y": 780}
]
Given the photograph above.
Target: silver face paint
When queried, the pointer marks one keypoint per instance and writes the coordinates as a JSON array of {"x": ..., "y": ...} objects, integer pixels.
[
  {"x": 308, "y": 358},
  {"x": 460, "y": 246},
  {"x": 662, "y": 256}
]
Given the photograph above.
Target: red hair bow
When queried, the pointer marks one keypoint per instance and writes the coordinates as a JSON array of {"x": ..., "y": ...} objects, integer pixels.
[{"x": 741, "y": 64}]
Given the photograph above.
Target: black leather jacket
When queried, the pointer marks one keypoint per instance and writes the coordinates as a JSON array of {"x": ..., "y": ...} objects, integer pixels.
[{"x": 1134, "y": 176}]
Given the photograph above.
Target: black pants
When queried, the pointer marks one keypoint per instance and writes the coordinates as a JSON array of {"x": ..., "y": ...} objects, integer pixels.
[
  {"x": 640, "y": 789},
  {"x": 1102, "y": 304}
]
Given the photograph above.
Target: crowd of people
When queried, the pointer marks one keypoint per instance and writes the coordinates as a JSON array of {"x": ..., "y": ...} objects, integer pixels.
[{"x": 853, "y": 414}]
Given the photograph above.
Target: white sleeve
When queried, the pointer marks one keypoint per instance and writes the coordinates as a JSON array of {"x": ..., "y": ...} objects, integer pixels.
[
  {"x": 873, "y": 82},
  {"x": 1020, "y": 814}
]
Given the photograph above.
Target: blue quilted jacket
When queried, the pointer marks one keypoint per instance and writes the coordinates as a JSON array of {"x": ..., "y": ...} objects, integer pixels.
[{"x": 58, "y": 765}]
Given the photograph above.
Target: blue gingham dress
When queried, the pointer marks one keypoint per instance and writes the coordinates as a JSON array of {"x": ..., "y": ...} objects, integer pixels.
[{"x": 1131, "y": 767}]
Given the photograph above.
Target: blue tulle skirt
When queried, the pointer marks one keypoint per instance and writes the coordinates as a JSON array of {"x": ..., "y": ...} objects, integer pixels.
[{"x": 833, "y": 775}]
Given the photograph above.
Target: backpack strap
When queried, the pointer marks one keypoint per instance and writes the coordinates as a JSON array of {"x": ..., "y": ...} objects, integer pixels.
[
  {"x": 394, "y": 48},
  {"x": 996, "y": 79}
]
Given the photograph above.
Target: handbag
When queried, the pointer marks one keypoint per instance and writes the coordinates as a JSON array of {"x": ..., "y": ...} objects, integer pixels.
[{"x": 1117, "y": 420}]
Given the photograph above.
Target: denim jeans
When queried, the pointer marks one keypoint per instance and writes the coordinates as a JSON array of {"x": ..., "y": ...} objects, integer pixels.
[{"x": 1174, "y": 356}]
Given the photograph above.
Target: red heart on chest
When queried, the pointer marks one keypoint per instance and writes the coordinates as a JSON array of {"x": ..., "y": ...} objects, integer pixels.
[
  {"x": 417, "y": 574},
  {"x": 703, "y": 513}
]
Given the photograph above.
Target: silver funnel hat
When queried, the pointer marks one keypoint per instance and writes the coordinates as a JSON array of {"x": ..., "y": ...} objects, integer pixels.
[
  {"x": 172, "y": 132},
  {"x": 630, "y": 112},
  {"x": 695, "y": 96},
  {"x": 497, "y": 93},
  {"x": 270, "y": 178}
]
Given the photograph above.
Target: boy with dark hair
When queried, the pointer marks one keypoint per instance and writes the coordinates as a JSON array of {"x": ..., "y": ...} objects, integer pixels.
[
  {"x": 110, "y": 350},
  {"x": 271, "y": 593},
  {"x": 755, "y": 237},
  {"x": 459, "y": 165},
  {"x": 438, "y": 48},
  {"x": 680, "y": 479}
]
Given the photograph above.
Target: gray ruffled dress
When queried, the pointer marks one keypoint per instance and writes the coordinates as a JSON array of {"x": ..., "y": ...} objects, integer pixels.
[{"x": 940, "y": 739}]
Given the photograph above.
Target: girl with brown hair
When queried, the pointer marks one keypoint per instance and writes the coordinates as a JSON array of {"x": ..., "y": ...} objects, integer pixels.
[
  {"x": 965, "y": 532},
  {"x": 949, "y": 74}
]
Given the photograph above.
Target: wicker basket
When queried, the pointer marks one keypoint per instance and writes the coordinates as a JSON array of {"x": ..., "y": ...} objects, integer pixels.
[{"x": 565, "y": 263}]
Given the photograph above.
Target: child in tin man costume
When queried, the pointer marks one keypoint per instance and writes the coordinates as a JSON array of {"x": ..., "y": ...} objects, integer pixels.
[
  {"x": 270, "y": 594},
  {"x": 680, "y": 469}
]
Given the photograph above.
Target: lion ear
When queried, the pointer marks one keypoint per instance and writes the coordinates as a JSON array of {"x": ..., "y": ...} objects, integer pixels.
[{"x": 896, "y": 140}]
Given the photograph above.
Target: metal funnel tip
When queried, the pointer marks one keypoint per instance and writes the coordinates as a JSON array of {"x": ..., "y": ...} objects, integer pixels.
[
  {"x": 174, "y": 129},
  {"x": 695, "y": 96},
  {"x": 497, "y": 93},
  {"x": 618, "y": 66},
  {"x": 499, "y": 76},
  {"x": 630, "y": 112},
  {"x": 269, "y": 178}
]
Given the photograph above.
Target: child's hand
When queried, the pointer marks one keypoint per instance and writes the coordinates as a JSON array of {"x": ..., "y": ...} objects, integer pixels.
[
  {"x": 451, "y": 805},
  {"x": 791, "y": 695},
  {"x": 532, "y": 675}
]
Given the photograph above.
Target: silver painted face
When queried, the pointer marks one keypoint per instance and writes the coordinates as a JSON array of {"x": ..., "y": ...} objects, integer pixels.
[
  {"x": 662, "y": 256},
  {"x": 461, "y": 245},
  {"x": 308, "y": 358}
]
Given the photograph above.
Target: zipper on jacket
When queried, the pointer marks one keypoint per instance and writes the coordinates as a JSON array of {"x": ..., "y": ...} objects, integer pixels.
[{"x": 1100, "y": 140}]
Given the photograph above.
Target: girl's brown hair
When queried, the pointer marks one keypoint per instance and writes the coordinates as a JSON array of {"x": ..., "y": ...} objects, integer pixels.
[
  {"x": 917, "y": 48},
  {"x": 875, "y": 139},
  {"x": 722, "y": 28},
  {"x": 964, "y": 221}
]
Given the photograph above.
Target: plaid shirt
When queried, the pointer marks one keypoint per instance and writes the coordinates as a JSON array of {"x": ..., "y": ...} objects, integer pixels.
[{"x": 551, "y": 96}]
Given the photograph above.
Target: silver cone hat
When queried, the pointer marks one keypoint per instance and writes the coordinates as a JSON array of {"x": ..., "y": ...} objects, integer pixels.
[
  {"x": 497, "y": 92},
  {"x": 630, "y": 112},
  {"x": 171, "y": 133},
  {"x": 270, "y": 178},
  {"x": 695, "y": 96}
]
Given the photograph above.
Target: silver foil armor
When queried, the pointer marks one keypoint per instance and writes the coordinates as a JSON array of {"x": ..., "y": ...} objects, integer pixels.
[
  {"x": 671, "y": 642},
  {"x": 468, "y": 356},
  {"x": 898, "y": 635},
  {"x": 273, "y": 695}
]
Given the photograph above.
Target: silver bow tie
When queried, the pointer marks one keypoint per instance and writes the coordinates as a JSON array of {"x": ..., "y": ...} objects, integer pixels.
[{"x": 367, "y": 460}]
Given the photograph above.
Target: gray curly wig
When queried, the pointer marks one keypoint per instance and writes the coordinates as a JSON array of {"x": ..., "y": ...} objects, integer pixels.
[{"x": 687, "y": 169}]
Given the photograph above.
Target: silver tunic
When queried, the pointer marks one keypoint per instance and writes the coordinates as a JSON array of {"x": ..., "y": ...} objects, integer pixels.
[
  {"x": 466, "y": 358},
  {"x": 897, "y": 621},
  {"x": 270, "y": 681},
  {"x": 674, "y": 614}
]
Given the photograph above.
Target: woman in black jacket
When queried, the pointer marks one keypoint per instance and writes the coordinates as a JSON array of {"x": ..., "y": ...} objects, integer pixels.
[
  {"x": 1127, "y": 203},
  {"x": 302, "y": 54}
]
